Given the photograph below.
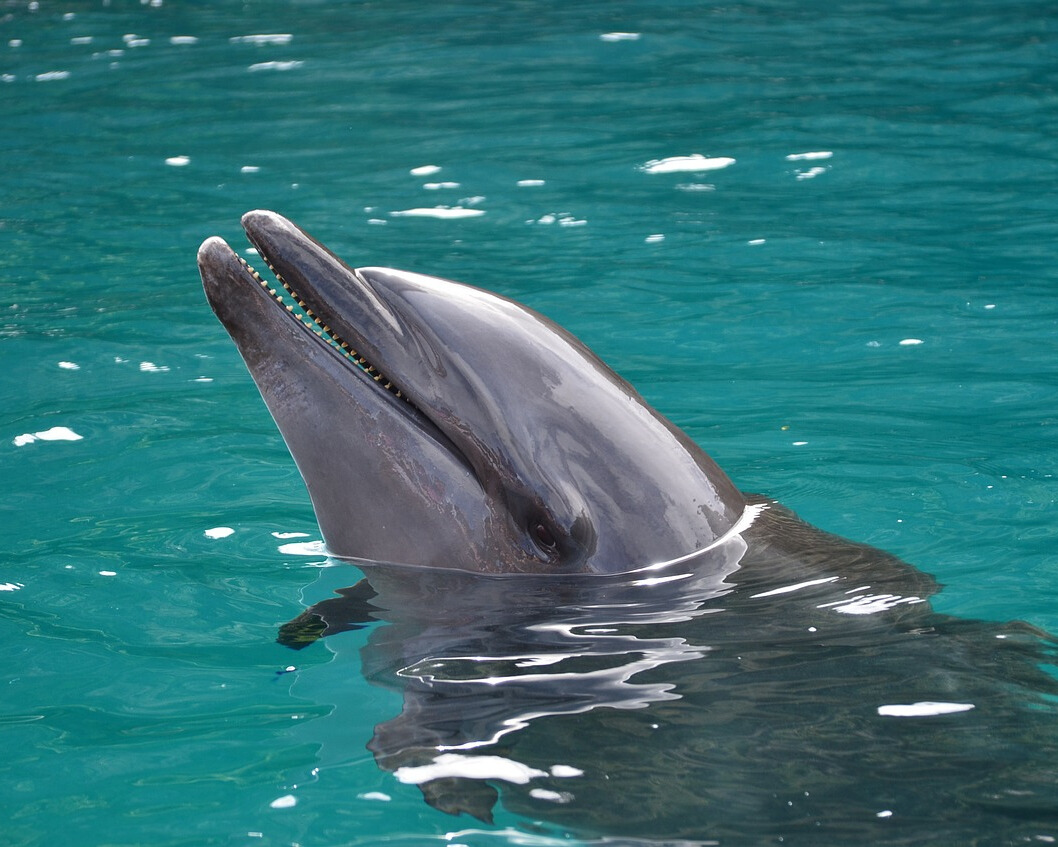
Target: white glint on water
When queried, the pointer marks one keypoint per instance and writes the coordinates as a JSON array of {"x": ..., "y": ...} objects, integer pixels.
[
  {"x": 560, "y": 218},
  {"x": 275, "y": 66},
  {"x": 263, "y": 39},
  {"x": 468, "y": 767},
  {"x": 303, "y": 548},
  {"x": 786, "y": 589},
  {"x": 660, "y": 580},
  {"x": 550, "y": 796},
  {"x": 695, "y": 163},
  {"x": 872, "y": 604},
  {"x": 565, "y": 771},
  {"x": 442, "y": 212},
  {"x": 219, "y": 532},
  {"x": 924, "y": 709},
  {"x": 56, "y": 433}
]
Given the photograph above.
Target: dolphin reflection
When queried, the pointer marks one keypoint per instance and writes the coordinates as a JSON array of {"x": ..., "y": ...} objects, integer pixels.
[{"x": 739, "y": 695}]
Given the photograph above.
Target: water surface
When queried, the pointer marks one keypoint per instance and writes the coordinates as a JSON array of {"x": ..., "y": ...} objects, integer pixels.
[{"x": 867, "y": 334}]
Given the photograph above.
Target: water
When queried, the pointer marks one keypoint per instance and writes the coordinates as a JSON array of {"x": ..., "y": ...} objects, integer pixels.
[{"x": 768, "y": 307}]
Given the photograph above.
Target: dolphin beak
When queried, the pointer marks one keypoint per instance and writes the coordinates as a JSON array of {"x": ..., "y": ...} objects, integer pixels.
[{"x": 367, "y": 454}]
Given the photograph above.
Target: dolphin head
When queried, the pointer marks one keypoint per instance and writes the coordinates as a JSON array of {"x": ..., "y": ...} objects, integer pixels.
[{"x": 441, "y": 425}]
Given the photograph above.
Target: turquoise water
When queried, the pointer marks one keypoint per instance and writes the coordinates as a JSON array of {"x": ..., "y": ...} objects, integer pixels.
[{"x": 866, "y": 334}]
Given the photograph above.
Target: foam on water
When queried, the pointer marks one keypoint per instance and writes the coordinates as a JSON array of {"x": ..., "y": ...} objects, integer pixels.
[
  {"x": 695, "y": 163},
  {"x": 440, "y": 212}
]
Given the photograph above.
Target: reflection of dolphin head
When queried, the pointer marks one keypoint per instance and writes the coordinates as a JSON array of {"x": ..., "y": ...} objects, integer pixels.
[
  {"x": 507, "y": 651},
  {"x": 438, "y": 424},
  {"x": 547, "y": 645}
]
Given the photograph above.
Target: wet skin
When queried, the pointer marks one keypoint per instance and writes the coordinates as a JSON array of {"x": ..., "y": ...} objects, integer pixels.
[{"x": 511, "y": 447}]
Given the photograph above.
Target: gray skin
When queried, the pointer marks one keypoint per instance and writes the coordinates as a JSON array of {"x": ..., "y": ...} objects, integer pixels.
[{"x": 519, "y": 451}]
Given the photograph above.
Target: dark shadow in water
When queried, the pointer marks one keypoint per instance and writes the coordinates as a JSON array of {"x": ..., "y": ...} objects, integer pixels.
[{"x": 788, "y": 684}]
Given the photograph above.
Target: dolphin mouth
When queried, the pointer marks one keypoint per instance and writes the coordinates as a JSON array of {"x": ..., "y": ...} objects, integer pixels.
[
  {"x": 312, "y": 313},
  {"x": 317, "y": 320}
]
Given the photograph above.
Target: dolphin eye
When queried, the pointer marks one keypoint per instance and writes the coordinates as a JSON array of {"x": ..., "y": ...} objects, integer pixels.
[{"x": 543, "y": 536}]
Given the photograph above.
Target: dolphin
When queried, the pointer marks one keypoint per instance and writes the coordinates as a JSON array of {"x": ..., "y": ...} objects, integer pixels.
[
  {"x": 577, "y": 604},
  {"x": 438, "y": 424}
]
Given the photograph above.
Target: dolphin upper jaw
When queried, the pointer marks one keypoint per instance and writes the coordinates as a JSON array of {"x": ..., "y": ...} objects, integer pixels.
[{"x": 502, "y": 444}]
